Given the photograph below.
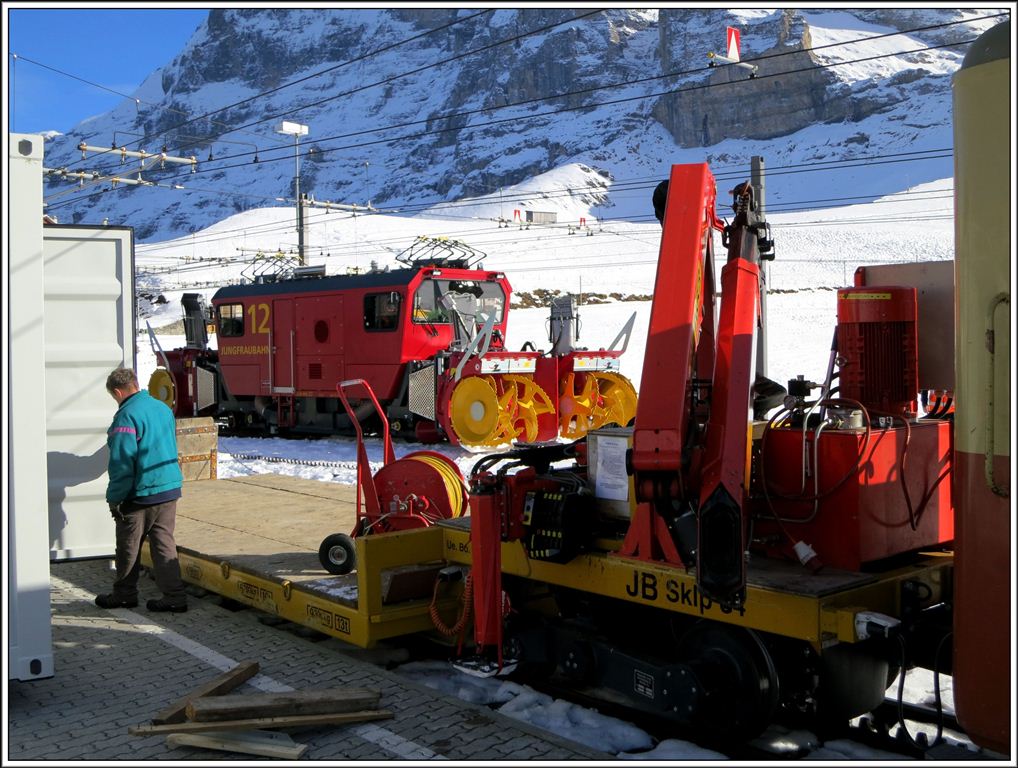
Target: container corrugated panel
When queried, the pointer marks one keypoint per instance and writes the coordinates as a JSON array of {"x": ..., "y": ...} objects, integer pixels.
[{"x": 88, "y": 277}]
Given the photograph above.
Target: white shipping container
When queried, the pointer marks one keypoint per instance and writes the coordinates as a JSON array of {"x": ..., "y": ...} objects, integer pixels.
[
  {"x": 30, "y": 639},
  {"x": 69, "y": 322}
]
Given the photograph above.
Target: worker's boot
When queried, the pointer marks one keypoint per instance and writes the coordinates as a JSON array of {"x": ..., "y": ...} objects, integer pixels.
[
  {"x": 162, "y": 605},
  {"x": 114, "y": 601}
]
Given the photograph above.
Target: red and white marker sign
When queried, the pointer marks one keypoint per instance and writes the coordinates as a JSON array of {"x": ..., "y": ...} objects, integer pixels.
[{"x": 733, "y": 44}]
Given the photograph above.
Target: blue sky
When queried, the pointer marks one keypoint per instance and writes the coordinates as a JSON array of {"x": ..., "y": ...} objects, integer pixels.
[{"x": 114, "y": 48}]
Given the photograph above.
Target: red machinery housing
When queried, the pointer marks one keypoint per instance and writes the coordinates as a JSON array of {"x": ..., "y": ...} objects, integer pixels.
[
  {"x": 429, "y": 340},
  {"x": 866, "y": 483},
  {"x": 878, "y": 345},
  {"x": 841, "y": 491}
]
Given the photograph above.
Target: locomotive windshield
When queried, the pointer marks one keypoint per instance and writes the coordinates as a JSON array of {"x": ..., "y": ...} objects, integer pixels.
[{"x": 471, "y": 299}]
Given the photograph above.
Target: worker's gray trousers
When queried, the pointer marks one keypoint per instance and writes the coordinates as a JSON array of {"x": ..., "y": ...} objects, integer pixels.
[{"x": 156, "y": 523}]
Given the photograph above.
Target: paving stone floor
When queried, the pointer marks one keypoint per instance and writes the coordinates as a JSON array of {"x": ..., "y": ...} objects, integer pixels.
[{"x": 118, "y": 668}]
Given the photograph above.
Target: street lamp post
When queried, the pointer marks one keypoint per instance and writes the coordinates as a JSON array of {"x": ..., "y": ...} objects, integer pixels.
[{"x": 296, "y": 130}]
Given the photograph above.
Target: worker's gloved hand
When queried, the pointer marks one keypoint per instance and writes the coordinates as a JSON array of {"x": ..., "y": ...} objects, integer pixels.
[{"x": 116, "y": 513}]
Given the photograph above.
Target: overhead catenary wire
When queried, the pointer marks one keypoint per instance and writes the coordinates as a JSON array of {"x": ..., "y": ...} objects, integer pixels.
[
  {"x": 784, "y": 208},
  {"x": 624, "y": 186},
  {"x": 359, "y": 247},
  {"x": 231, "y": 129},
  {"x": 444, "y": 204},
  {"x": 386, "y": 81},
  {"x": 218, "y": 169},
  {"x": 590, "y": 106},
  {"x": 708, "y": 85},
  {"x": 910, "y": 31},
  {"x": 493, "y": 108}
]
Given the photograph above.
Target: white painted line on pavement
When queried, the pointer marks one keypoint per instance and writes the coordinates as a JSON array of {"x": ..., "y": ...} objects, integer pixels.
[{"x": 384, "y": 738}]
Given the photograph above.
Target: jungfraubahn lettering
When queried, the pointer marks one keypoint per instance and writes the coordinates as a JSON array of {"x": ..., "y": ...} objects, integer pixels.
[{"x": 244, "y": 349}]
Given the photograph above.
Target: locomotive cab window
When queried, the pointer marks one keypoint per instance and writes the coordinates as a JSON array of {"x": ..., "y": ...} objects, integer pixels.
[
  {"x": 231, "y": 319},
  {"x": 381, "y": 311},
  {"x": 436, "y": 300}
]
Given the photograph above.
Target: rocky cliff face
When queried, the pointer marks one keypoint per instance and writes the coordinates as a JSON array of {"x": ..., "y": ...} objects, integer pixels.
[
  {"x": 609, "y": 90},
  {"x": 732, "y": 105}
]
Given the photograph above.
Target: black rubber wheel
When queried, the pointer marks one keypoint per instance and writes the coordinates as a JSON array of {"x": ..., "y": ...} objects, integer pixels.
[{"x": 337, "y": 553}]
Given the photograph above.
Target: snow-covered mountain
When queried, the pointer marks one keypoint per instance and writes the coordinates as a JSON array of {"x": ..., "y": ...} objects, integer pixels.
[{"x": 576, "y": 112}]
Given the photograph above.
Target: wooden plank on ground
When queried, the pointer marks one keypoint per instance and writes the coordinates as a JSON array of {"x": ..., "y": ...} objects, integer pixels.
[
  {"x": 314, "y": 702},
  {"x": 294, "y": 721},
  {"x": 226, "y": 682},
  {"x": 264, "y": 743}
]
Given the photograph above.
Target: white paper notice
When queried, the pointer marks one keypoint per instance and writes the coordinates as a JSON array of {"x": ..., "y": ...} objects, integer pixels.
[{"x": 612, "y": 481}]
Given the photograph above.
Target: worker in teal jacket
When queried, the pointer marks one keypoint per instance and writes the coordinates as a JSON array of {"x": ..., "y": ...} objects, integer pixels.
[{"x": 144, "y": 485}]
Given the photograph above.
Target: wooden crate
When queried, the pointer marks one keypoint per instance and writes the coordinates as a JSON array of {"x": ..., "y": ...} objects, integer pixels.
[{"x": 197, "y": 448}]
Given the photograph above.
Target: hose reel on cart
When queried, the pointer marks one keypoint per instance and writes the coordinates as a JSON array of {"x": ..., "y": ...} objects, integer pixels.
[{"x": 415, "y": 491}]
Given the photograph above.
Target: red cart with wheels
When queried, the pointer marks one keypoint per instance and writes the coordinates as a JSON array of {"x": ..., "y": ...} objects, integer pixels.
[{"x": 415, "y": 491}]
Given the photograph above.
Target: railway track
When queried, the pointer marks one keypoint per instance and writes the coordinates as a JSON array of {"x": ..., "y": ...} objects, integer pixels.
[
  {"x": 878, "y": 730},
  {"x": 244, "y": 457}
]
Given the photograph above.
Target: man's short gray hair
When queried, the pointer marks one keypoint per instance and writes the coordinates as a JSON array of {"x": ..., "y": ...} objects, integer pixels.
[{"x": 121, "y": 378}]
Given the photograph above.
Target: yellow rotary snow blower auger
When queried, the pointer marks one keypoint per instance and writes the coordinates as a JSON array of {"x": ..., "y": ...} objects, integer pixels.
[
  {"x": 489, "y": 396},
  {"x": 593, "y": 400}
]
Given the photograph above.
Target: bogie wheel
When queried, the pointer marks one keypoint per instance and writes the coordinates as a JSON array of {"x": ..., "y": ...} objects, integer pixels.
[
  {"x": 736, "y": 677},
  {"x": 337, "y": 553}
]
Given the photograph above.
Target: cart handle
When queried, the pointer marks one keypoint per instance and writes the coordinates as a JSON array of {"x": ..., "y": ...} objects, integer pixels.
[
  {"x": 388, "y": 455},
  {"x": 365, "y": 481}
]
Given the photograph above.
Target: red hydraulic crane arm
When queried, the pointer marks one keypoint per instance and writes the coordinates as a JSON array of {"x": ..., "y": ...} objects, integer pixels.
[
  {"x": 724, "y": 481},
  {"x": 693, "y": 430},
  {"x": 678, "y": 358},
  {"x": 684, "y": 285}
]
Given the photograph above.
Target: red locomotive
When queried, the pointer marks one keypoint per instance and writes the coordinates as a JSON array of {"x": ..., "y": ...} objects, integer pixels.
[{"x": 429, "y": 339}]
